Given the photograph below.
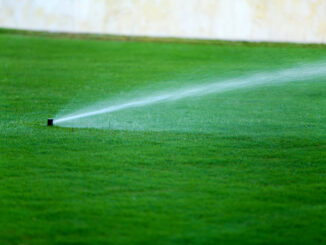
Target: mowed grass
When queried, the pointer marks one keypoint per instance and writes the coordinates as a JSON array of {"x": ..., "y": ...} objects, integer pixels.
[{"x": 248, "y": 167}]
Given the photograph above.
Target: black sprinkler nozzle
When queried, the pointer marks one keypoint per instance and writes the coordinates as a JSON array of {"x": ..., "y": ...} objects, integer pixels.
[{"x": 50, "y": 122}]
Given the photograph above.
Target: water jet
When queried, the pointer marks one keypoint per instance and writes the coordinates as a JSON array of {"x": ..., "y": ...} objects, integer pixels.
[{"x": 295, "y": 74}]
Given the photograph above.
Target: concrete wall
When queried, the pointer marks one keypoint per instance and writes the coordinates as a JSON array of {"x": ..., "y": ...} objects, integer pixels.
[{"x": 254, "y": 20}]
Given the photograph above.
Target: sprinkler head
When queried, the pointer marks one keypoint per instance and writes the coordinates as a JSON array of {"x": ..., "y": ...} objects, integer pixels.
[{"x": 50, "y": 122}]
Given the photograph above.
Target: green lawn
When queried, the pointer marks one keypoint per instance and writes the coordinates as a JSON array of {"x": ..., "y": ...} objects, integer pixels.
[{"x": 243, "y": 167}]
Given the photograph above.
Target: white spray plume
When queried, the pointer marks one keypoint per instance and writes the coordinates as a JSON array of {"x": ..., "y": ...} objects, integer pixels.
[{"x": 299, "y": 73}]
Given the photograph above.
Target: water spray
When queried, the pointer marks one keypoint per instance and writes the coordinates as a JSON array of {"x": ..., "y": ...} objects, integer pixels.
[{"x": 295, "y": 74}]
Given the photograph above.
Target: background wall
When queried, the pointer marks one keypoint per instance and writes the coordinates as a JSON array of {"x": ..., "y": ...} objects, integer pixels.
[{"x": 253, "y": 20}]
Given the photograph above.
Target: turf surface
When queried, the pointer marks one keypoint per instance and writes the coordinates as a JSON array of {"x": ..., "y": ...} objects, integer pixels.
[{"x": 244, "y": 167}]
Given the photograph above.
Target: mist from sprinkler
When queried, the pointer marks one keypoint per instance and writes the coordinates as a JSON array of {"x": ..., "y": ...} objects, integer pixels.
[{"x": 296, "y": 74}]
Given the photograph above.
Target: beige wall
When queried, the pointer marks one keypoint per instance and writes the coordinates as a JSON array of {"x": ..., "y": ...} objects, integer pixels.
[{"x": 253, "y": 20}]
